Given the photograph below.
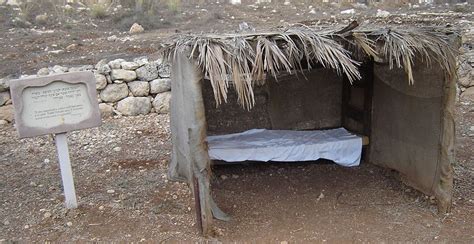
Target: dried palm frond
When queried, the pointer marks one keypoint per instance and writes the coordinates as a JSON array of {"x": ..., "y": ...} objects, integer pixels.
[
  {"x": 329, "y": 53},
  {"x": 270, "y": 58},
  {"x": 364, "y": 43},
  {"x": 401, "y": 47},
  {"x": 242, "y": 60},
  {"x": 213, "y": 60}
]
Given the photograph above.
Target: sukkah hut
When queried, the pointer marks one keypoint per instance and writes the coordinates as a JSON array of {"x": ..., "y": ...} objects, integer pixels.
[{"x": 383, "y": 94}]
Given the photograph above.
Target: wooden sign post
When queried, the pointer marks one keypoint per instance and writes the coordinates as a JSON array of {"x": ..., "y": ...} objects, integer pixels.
[
  {"x": 66, "y": 171},
  {"x": 56, "y": 104}
]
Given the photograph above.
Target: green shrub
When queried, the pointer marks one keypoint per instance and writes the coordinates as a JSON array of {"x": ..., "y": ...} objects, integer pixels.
[
  {"x": 99, "y": 11},
  {"x": 148, "y": 21},
  {"x": 174, "y": 5},
  {"x": 461, "y": 9}
]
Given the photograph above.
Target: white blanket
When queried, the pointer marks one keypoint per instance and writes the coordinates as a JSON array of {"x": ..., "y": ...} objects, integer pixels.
[{"x": 337, "y": 145}]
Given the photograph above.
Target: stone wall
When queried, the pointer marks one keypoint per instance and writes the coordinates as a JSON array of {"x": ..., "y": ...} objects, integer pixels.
[
  {"x": 124, "y": 88},
  {"x": 466, "y": 67}
]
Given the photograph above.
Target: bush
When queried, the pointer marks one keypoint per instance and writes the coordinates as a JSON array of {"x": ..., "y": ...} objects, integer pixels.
[
  {"x": 148, "y": 21},
  {"x": 174, "y": 5},
  {"x": 99, "y": 11},
  {"x": 461, "y": 8},
  {"x": 30, "y": 9}
]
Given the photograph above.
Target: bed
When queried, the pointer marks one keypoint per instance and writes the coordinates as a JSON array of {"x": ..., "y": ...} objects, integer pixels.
[{"x": 338, "y": 145}]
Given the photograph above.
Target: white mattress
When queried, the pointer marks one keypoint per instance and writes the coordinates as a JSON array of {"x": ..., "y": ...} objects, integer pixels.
[{"x": 337, "y": 145}]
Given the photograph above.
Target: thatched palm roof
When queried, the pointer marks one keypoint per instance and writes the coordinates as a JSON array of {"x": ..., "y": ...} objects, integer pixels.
[{"x": 241, "y": 60}]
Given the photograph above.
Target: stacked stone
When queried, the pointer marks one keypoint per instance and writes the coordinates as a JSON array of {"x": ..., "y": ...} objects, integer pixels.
[
  {"x": 133, "y": 88},
  {"x": 466, "y": 67},
  {"x": 128, "y": 88},
  {"x": 6, "y": 107}
]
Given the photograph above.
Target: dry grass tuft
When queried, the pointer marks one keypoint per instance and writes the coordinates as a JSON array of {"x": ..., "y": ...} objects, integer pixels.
[{"x": 99, "y": 11}]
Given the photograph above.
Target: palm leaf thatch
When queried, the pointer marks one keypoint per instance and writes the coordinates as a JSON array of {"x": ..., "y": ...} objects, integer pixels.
[
  {"x": 242, "y": 60},
  {"x": 400, "y": 47}
]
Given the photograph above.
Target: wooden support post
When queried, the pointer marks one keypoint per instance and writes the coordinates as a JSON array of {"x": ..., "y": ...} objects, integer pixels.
[
  {"x": 66, "y": 171},
  {"x": 197, "y": 204}
]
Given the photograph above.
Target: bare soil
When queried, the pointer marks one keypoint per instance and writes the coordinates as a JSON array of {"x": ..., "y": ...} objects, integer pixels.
[
  {"x": 120, "y": 168},
  {"x": 268, "y": 202}
]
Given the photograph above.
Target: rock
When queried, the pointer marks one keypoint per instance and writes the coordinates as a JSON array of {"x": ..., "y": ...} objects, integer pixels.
[
  {"x": 109, "y": 80},
  {"x": 101, "y": 208},
  {"x": 382, "y": 13},
  {"x": 112, "y": 38},
  {"x": 349, "y": 11},
  {"x": 43, "y": 71},
  {"x": 160, "y": 85},
  {"x": 3, "y": 122},
  {"x": 360, "y": 6},
  {"x": 41, "y": 19},
  {"x": 114, "y": 92},
  {"x": 100, "y": 63},
  {"x": 235, "y": 2},
  {"x": 22, "y": 23},
  {"x": 130, "y": 65},
  {"x": 141, "y": 60},
  {"x": 464, "y": 74},
  {"x": 100, "y": 81},
  {"x": 139, "y": 88},
  {"x": 121, "y": 74},
  {"x": 111, "y": 191},
  {"x": 466, "y": 81},
  {"x": 116, "y": 149},
  {"x": 69, "y": 224},
  {"x": 136, "y": 28},
  {"x": 106, "y": 110},
  {"x": 162, "y": 102},
  {"x": 4, "y": 97},
  {"x": 71, "y": 47},
  {"x": 116, "y": 64},
  {"x": 471, "y": 128},
  {"x": 468, "y": 94},
  {"x": 59, "y": 69},
  {"x": 47, "y": 215},
  {"x": 5, "y": 84},
  {"x": 56, "y": 51},
  {"x": 7, "y": 113},
  {"x": 147, "y": 72},
  {"x": 134, "y": 106},
  {"x": 118, "y": 81},
  {"x": 164, "y": 71},
  {"x": 102, "y": 67},
  {"x": 321, "y": 196},
  {"x": 27, "y": 76},
  {"x": 81, "y": 68}
]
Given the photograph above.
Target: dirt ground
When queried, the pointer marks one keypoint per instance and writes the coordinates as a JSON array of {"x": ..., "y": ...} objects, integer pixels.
[{"x": 120, "y": 168}]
